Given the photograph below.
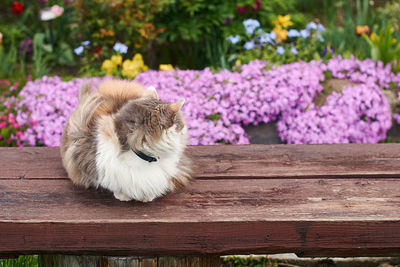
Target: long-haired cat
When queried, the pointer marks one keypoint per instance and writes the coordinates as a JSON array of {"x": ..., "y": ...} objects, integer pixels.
[{"x": 122, "y": 137}]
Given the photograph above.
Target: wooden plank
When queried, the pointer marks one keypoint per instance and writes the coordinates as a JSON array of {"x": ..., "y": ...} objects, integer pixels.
[
  {"x": 307, "y": 216},
  {"x": 206, "y": 200},
  {"x": 244, "y": 161}
]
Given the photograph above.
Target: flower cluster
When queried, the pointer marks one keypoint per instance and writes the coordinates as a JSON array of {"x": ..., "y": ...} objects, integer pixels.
[
  {"x": 218, "y": 104},
  {"x": 360, "y": 114},
  {"x": 129, "y": 68},
  {"x": 11, "y": 132},
  {"x": 46, "y": 104},
  {"x": 281, "y": 45},
  {"x": 255, "y": 7},
  {"x": 51, "y": 13}
]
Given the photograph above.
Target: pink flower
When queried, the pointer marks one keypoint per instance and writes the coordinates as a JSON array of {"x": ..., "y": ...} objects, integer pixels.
[
  {"x": 19, "y": 134},
  {"x": 57, "y": 10},
  {"x": 257, "y": 6},
  {"x": 241, "y": 9},
  {"x": 3, "y": 124}
]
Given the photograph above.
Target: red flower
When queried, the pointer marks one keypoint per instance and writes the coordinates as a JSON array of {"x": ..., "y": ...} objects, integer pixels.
[
  {"x": 17, "y": 7},
  {"x": 97, "y": 51},
  {"x": 241, "y": 9},
  {"x": 257, "y": 6}
]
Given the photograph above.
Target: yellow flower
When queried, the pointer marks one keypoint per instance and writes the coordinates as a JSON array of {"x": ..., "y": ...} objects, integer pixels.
[
  {"x": 117, "y": 60},
  {"x": 238, "y": 62},
  {"x": 281, "y": 34},
  {"x": 283, "y": 21},
  {"x": 129, "y": 69},
  {"x": 374, "y": 37},
  {"x": 108, "y": 65},
  {"x": 165, "y": 67},
  {"x": 138, "y": 60},
  {"x": 394, "y": 41}
]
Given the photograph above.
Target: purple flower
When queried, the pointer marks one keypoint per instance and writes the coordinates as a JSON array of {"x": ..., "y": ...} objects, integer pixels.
[
  {"x": 218, "y": 104},
  {"x": 228, "y": 20},
  {"x": 26, "y": 47}
]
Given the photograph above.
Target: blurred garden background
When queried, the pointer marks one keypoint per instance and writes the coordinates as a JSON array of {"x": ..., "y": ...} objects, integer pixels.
[{"x": 318, "y": 71}]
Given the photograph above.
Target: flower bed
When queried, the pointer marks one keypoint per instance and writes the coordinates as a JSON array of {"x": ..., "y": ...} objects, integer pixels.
[{"x": 217, "y": 104}]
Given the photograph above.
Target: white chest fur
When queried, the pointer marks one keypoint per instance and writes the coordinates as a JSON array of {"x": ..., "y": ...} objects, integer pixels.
[{"x": 129, "y": 176}]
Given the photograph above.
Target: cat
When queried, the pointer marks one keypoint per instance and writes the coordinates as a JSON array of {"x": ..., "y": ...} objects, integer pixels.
[{"x": 122, "y": 137}]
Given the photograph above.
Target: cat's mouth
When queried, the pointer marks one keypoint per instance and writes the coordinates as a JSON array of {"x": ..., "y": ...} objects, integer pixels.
[{"x": 144, "y": 156}]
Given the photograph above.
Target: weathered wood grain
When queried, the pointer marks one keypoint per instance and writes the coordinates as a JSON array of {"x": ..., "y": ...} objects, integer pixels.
[
  {"x": 245, "y": 161},
  {"x": 308, "y": 199},
  {"x": 35, "y": 201},
  {"x": 306, "y": 216}
]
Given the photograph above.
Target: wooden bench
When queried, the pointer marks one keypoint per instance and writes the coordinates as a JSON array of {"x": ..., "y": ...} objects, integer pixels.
[{"x": 325, "y": 200}]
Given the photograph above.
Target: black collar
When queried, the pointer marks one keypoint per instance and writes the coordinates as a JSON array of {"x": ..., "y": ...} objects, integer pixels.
[{"x": 144, "y": 156}]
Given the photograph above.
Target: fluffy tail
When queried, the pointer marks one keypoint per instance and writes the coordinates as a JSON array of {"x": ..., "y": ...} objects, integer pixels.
[
  {"x": 82, "y": 118},
  {"x": 85, "y": 91}
]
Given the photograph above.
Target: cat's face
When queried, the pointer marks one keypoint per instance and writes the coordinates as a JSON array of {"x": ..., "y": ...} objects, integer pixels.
[{"x": 149, "y": 123}]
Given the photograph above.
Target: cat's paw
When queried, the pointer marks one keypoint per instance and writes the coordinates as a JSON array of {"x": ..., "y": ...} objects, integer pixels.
[
  {"x": 122, "y": 197},
  {"x": 147, "y": 198}
]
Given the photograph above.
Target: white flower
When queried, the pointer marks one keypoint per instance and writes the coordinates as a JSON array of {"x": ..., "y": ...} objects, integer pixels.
[
  {"x": 233, "y": 39},
  {"x": 250, "y": 25},
  {"x": 294, "y": 50},
  {"x": 79, "y": 50},
  {"x": 280, "y": 50},
  {"x": 85, "y": 43},
  {"x": 1, "y": 38},
  {"x": 46, "y": 14},
  {"x": 118, "y": 47},
  {"x": 292, "y": 33},
  {"x": 268, "y": 38},
  {"x": 304, "y": 33},
  {"x": 249, "y": 45},
  {"x": 51, "y": 13}
]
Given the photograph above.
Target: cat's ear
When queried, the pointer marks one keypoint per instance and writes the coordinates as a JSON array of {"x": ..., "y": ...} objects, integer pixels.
[
  {"x": 151, "y": 92},
  {"x": 175, "y": 107}
]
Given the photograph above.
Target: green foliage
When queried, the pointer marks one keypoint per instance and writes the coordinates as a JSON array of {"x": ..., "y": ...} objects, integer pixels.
[
  {"x": 52, "y": 39},
  {"x": 129, "y": 22},
  {"x": 7, "y": 61},
  {"x": 196, "y": 31},
  {"x": 21, "y": 261},
  {"x": 341, "y": 24},
  {"x": 383, "y": 46},
  {"x": 40, "y": 55}
]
